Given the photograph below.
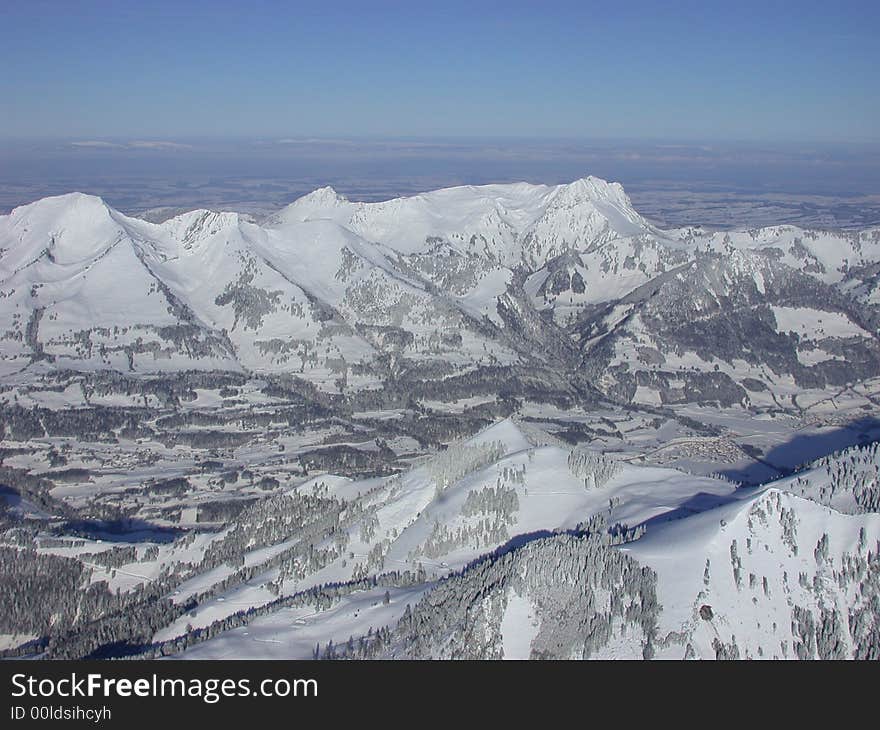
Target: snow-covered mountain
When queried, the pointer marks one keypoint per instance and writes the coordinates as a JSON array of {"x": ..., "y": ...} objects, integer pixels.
[
  {"x": 566, "y": 279},
  {"x": 507, "y": 421},
  {"x": 767, "y": 574},
  {"x": 506, "y": 547}
]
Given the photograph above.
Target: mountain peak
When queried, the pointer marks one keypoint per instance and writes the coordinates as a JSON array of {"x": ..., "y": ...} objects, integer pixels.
[
  {"x": 71, "y": 228},
  {"x": 593, "y": 189},
  {"x": 317, "y": 204},
  {"x": 195, "y": 226},
  {"x": 323, "y": 196},
  {"x": 76, "y": 213},
  {"x": 84, "y": 203}
]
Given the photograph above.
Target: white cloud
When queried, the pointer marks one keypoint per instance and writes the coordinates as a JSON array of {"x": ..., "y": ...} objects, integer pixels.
[
  {"x": 133, "y": 145},
  {"x": 97, "y": 143},
  {"x": 159, "y": 145}
]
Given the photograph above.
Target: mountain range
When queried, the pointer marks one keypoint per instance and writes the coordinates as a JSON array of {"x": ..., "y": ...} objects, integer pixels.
[
  {"x": 566, "y": 284},
  {"x": 505, "y": 421}
]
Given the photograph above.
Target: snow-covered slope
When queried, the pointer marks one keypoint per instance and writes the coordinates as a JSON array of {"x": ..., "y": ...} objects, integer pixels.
[
  {"x": 507, "y": 224},
  {"x": 476, "y": 497},
  {"x": 506, "y": 544},
  {"x": 765, "y": 574},
  {"x": 352, "y": 296},
  {"x": 773, "y": 576},
  {"x": 79, "y": 291}
]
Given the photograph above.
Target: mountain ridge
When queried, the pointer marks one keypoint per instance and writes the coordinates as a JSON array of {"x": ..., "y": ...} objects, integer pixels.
[{"x": 449, "y": 281}]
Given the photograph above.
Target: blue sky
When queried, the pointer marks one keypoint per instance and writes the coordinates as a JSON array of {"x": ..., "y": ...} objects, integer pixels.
[{"x": 788, "y": 71}]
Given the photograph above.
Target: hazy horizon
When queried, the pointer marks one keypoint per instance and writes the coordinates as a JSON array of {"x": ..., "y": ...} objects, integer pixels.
[{"x": 712, "y": 183}]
